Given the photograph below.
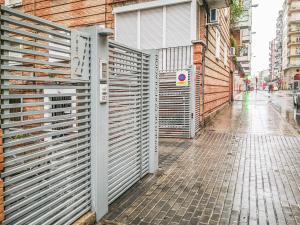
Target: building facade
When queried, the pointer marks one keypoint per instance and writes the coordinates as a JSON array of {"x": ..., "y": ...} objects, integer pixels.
[
  {"x": 272, "y": 53},
  {"x": 263, "y": 79},
  {"x": 243, "y": 28},
  {"x": 278, "y": 49},
  {"x": 165, "y": 31},
  {"x": 290, "y": 42}
]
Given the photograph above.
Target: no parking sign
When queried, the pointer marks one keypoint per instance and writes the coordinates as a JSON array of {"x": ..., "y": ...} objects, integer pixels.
[{"x": 182, "y": 78}]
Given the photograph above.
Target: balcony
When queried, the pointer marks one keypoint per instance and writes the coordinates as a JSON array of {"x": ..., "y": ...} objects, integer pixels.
[
  {"x": 293, "y": 65},
  {"x": 293, "y": 54},
  {"x": 290, "y": 43},
  {"x": 244, "y": 22},
  {"x": 217, "y": 4},
  {"x": 243, "y": 54},
  {"x": 294, "y": 20},
  {"x": 294, "y": 31},
  {"x": 246, "y": 38}
]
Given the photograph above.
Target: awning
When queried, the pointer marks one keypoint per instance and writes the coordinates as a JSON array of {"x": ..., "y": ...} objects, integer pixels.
[{"x": 297, "y": 76}]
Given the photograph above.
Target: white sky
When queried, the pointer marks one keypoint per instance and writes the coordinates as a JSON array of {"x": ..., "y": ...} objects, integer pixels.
[{"x": 264, "y": 24}]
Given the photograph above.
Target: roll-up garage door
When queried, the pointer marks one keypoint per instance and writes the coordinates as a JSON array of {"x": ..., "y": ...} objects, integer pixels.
[
  {"x": 155, "y": 28},
  {"x": 128, "y": 118},
  {"x": 174, "y": 107}
]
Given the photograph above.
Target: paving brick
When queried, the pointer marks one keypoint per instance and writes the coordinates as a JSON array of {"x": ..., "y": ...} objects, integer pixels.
[{"x": 238, "y": 171}]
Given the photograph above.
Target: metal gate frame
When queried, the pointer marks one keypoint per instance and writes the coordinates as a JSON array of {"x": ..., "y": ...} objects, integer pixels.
[
  {"x": 100, "y": 116},
  {"x": 74, "y": 178},
  {"x": 178, "y": 122},
  {"x": 45, "y": 120}
]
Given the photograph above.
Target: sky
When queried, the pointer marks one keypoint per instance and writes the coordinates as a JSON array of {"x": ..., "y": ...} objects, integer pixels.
[{"x": 264, "y": 24}]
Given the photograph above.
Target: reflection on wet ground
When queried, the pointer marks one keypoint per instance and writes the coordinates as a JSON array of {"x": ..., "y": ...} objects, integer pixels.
[
  {"x": 242, "y": 169},
  {"x": 283, "y": 103}
]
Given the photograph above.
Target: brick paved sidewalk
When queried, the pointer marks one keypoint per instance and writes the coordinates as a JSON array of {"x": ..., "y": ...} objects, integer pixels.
[{"x": 243, "y": 169}]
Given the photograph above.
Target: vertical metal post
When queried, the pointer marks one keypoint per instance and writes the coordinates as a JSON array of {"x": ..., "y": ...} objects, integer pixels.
[
  {"x": 99, "y": 118},
  {"x": 154, "y": 106},
  {"x": 192, "y": 101}
]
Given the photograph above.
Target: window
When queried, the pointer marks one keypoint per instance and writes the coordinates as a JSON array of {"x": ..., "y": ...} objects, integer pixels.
[
  {"x": 225, "y": 55},
  {"x": 156, "y": 27},
  {"x": 218, "y": 44},
  {"x": 298, "y": 50},
  {"x": 298, "y": 39}
]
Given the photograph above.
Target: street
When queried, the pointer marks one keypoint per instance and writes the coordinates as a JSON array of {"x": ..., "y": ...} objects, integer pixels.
[{"x": 242, "y": 169}]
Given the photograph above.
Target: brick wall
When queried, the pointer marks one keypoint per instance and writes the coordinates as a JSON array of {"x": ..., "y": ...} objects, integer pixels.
[
  {"x": 217, "y": 74},
  {"x": 74, "y": 13}
]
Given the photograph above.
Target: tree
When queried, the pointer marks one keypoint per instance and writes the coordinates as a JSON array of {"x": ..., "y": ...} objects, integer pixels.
[{"x": 236, "y": 10}]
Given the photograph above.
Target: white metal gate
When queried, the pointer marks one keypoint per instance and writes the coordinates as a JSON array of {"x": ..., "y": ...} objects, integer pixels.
[
  {"x": 176, "y": 103},
  {"x": 175, "y": 107},
  {"x": 129, "y": 118},
  {"x": 45, "y": 119}
]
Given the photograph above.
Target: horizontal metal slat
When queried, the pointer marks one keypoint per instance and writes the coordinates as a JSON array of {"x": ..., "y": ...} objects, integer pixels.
[
  {"x": 30, "y": 69},
  {"x": 41, "y": 137},
  {"x": 42, "y": 112},
  {"x": 43, "y": 168},
  {"x": 42, "y": 153},
  {"x": 32, "y": 52},
  {"x": 41, "y": 181},
  {"x": 21, "y": 105},
  {"x": 34, "y": 36},
  {"x": 38, "y": 20},
  {"x": 33, "y": 96},
  {"x": 61, "y": 206},
  {"x": 28, "y": 166},
  {"x": 34, "y": 27},
  {"x": 44, "y": 144},
  {"x": 34, "y": 61},
  {"x": 44, "y": 120},
  {"x": 34, "y": 44},
  {"x": 27, "y": 131},
  {"x": 56, "y": 189}
]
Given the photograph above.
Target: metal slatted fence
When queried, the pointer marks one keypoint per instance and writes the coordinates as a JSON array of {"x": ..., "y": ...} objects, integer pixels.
[
  {"x": 129, "y": 116},
  {"x": 45, "y": 118}
]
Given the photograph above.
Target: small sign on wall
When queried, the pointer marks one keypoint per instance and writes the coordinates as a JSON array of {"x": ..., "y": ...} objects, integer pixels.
[{"x": 182, "y": 78}]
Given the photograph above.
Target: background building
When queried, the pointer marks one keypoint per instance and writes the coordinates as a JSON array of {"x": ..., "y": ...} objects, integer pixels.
[
  {"x": 244, "y": 26},
  {"x": 278, "y": 49},
  {"x": 262, "y": 79},
  {"x": 272, "y": 48},
  {"x": 291, "y": 41}
]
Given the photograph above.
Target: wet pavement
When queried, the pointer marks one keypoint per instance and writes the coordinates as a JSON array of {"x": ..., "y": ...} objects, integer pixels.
[
  {"x": 244, "y": 168},
  {"x": 283, "y": 103}
]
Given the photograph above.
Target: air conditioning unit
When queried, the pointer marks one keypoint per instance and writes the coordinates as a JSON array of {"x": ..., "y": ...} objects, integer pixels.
[
  {"x": 232, "y": 51},
  {"x": 213, "y": 16},
  {"x": 13, "y": 3}
]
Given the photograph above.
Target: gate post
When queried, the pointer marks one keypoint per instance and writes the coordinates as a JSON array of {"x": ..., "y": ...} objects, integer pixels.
[
  {"x": 154, "y": 111},
  {"x": 192, "y": 101},
  {"x": 99, "y": 118}
]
